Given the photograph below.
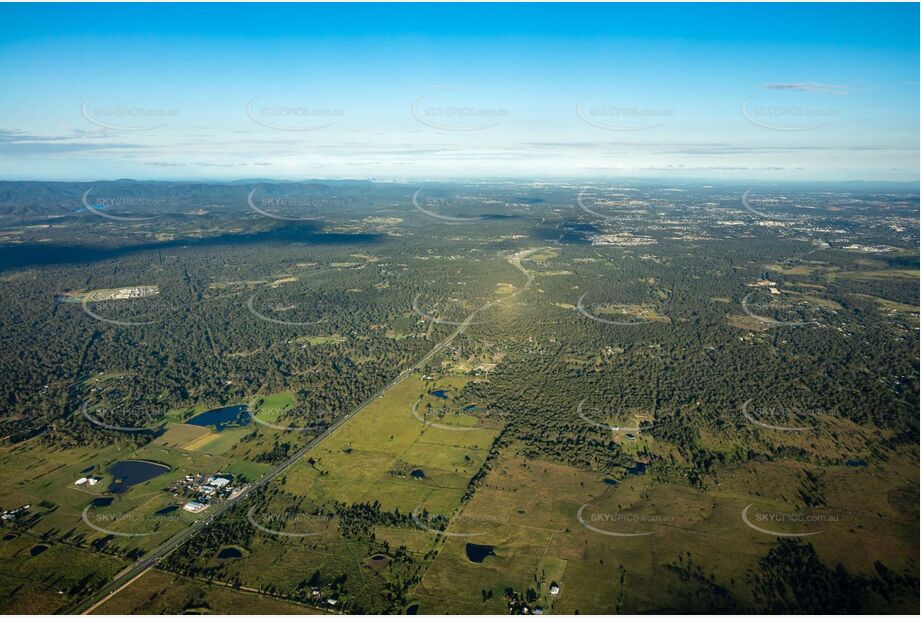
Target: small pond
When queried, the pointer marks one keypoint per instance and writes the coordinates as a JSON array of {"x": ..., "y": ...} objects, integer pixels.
[
  {"x": 479, "y": 553},
  {"x": 130, "y": 472},
  {"x": 638, "y": 468},
  {"x": 221, "y": 418},
  {"x": 230, "y": 552},
  {"x": 379, "y": 561},
  {"x": 38, "y": 549}
]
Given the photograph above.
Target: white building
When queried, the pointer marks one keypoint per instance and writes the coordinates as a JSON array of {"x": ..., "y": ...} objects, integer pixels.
[
  {"x": 81, "y": 480},
  {"x": 218, "y": 481},
  {"x": 194, "y": 507}
]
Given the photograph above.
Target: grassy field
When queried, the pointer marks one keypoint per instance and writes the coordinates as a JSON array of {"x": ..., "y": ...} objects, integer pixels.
[
  {"x": 646, "y": 312},
  {"x": 29, "y": 474},
  {"x": 367, "y": 460},
  {"x": 801, "y": 270},
  {"x": 32, "y": 474},
  {"x": 271, "y": 407},
  {"x": 889, "y": 306},
  {"x": 873, "y": 275},
  {"x": 356, "y": 463},
  {"x": 644, "y": 529},
  {"x": 162, "y": 593},
  {"x": 218, "y": 442},
  {"x": 50, "y": 580},
  {"x": 141, "y": 518},
  {"x": 746, "y": 322},
  {"x": 334, "y": 339},
  {"x": 182, "y": 436},
  {"x": 528, "y": 511}
]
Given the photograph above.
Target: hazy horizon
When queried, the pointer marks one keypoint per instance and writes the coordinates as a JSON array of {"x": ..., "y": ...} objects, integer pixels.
[{"x": 548, "y": 180}]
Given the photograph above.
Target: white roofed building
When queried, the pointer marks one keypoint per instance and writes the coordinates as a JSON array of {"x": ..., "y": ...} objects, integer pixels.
[
  {"x": 218, "y": 481},
  {"x": 194, "y": 507}
]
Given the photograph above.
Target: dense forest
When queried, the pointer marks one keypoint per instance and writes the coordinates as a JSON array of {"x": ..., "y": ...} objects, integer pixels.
[{"x": 659, "y": 340}]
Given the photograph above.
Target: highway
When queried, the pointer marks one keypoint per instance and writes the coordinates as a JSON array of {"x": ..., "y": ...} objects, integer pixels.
[{"x": 126, "y": 577}]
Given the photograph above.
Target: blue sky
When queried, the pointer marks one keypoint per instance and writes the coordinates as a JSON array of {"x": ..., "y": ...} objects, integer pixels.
[{"x": 755, "y": 92}]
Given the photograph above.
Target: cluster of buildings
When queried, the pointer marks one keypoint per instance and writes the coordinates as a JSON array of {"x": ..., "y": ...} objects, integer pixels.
[
  {"x": 765, "y": 283},
  {"x": 867, "y": 248},
  {"x": 484, "y": 368},
  {"x": 14, "y": 513},
  {"x": 140, "y": 291},
  {"x": 203, "y": 490},
  {"x": 315, "y": 599},
  {"x": 518, "y": 604},
  {"x": 87, "y": 480},
  {"x": 623, "y": 239}
]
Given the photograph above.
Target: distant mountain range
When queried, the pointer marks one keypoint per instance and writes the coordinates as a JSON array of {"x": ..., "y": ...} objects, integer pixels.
[
  {"x": 36, "y": 199},
  {"x": 40, "y": 198}
]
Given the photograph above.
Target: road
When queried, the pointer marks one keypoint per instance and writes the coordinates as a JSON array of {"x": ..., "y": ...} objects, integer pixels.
[{"x": 126, "y": 577}]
